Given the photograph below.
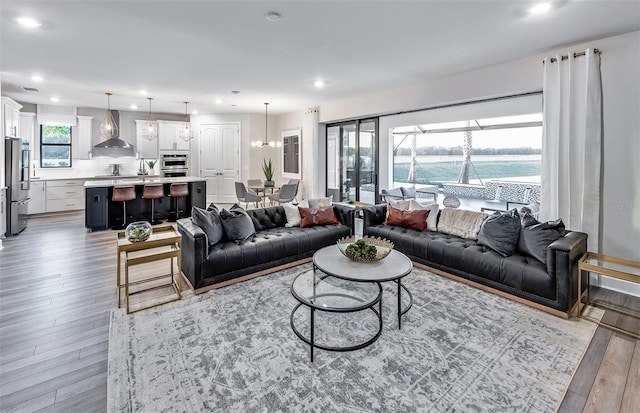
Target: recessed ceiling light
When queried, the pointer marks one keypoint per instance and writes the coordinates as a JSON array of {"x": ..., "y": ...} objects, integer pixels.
[
  {"x": 37, "y": 78},
  {"x": 55, "y": 99},
  {"x": 134, "y": 107},
  {"x": 28, "y": 22},
  {"x": 273, "y": 16},
  {"x": 194, "y": 112},
  {"x": 540, "y": 8},
  {"x": 218, "y": 100},
  {"x": 319, "y": 84},
  {"x": 143, "y": 92}
]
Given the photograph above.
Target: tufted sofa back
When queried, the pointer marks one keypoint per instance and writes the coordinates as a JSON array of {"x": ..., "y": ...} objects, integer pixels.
[{"x": 267, "y": 218}]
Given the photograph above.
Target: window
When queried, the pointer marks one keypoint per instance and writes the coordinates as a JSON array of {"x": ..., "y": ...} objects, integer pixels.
[
  {"x": 494, "y": 159},
  {"x": 55, "y": 146}
]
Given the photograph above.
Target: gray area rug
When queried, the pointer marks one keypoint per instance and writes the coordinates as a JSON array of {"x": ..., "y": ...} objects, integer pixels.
[{"x": 233, "y": 350}]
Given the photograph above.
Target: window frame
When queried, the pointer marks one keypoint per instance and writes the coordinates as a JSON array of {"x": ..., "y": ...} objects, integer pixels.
[{"x": 44, "y": 145}]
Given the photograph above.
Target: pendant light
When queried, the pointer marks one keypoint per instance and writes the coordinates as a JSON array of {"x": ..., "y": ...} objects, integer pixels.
[
  {"x": 266, "y": 142},
  {"x": 108, "y": 127},
  {"x": 185, "y": 133},
  {"x": 150, "y": 129}
]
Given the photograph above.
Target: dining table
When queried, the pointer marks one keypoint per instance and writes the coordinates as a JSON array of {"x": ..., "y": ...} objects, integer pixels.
[{"x": 263, "y": 191}]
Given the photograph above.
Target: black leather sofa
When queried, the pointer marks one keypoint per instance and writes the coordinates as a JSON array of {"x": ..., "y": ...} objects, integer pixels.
[
  {"x": 274, "y": 247},
  {"x": 551, "y": 287}
]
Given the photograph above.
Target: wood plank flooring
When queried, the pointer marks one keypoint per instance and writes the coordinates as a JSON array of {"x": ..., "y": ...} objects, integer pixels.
[{"x": 57, "y": 289}]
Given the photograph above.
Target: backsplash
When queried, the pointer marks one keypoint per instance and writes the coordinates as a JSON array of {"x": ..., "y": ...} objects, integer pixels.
[{"x": 83, "y": 168}]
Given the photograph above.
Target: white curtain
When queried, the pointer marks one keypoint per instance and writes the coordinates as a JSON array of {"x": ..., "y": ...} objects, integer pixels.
[
  {"x": 572, "y": 143},
  {"x": 310, "y": 155}
]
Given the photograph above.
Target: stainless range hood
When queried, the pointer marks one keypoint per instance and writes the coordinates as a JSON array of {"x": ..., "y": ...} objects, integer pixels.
[{"x": 114, "y": 147}]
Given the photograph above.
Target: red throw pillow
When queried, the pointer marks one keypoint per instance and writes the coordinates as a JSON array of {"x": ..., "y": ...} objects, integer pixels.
[
  {"x": 321, "y": 216},
  {"x": 416, "y": 219}
]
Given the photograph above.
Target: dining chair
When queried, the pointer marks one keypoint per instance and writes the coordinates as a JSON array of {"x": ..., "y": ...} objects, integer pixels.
[
  {"x": 256, "y": 183},
  {"x": 245, "y": 196},
  {"x": 286, "y": 194}
]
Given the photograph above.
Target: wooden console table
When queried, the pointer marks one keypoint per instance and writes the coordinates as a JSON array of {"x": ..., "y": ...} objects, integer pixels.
[
  {"x": 608, "y": 266},
  {"x": 164, "y": 243}
]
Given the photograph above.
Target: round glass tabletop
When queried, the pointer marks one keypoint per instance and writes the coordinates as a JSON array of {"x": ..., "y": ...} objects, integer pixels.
[{"x": 321, "y": 291}]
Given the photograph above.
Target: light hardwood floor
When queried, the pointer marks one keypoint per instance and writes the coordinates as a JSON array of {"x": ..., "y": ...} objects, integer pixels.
[{"x": 57, "y": 289}]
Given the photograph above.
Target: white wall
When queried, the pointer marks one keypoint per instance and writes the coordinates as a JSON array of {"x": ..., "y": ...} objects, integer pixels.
[{"x": 621, "y": 96}]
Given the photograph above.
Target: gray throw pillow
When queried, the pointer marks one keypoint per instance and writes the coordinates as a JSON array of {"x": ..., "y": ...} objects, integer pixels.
[
  {"x": 501, "y": 232},
  {"x": 237, "y": 223},
  {"x": 209, "y": 221},
  {"x": 536, "y": 236}
]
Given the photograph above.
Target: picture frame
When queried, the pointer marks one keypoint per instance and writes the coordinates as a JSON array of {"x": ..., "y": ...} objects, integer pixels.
[{"x": 291, "y": 153}]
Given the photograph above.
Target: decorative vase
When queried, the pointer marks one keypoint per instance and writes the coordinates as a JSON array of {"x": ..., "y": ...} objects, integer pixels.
[
  {"x": 269, "y": 184},
  {"x": 138, "y": 231}
]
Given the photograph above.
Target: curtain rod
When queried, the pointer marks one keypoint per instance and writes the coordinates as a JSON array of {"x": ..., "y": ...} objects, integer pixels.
[{"x": 576, "y": 54}]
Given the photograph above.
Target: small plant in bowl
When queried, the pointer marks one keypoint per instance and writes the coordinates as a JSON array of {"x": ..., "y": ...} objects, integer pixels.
[
  {"x": 138, "y": 231},
  {"x": 360, "y": 249},
  {"x": 366, "y": 249}
]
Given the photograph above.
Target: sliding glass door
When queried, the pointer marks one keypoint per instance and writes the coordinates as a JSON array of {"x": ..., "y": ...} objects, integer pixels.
[{"x": 352, "y": 161}]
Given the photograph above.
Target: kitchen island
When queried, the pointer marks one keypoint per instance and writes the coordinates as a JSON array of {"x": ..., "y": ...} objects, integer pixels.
[{"x": 102, "y": 213}]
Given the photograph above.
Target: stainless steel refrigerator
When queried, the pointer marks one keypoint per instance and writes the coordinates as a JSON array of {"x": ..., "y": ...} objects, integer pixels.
[{"x": 16, "y": 164}]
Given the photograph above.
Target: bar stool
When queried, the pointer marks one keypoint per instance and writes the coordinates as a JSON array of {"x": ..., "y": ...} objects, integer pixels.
[
  {"x": 178, "y": 191},
  {"x": 153, "y": 192},
  {"x": 123, "y": 194}
]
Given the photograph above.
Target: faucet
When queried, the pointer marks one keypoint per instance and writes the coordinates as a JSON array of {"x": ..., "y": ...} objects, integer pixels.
[{"x": 142, "y": 170}]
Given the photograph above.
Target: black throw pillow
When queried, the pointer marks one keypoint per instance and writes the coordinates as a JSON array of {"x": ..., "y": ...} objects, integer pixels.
[
  {"x": 536, "y": 236},
  {"x": 209, "y": 221},
  {"x": 500, "y": 232},
  {"x": 237, "y": 223}
]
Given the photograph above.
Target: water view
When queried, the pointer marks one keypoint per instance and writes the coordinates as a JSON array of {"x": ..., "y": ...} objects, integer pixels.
[{"x": 441, "y": 169}]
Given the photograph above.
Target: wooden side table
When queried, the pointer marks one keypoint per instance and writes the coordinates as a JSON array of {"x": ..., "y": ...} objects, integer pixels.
[
  {"x": 608, "y": 266},
  {"x": 164, "y": 243}
]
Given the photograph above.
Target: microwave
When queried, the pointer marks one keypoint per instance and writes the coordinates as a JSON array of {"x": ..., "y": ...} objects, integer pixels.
[{"x": 174, "y": 161}]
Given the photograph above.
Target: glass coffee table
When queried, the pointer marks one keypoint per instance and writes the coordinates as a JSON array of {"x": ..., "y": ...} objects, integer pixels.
[
  {"x": 338, "y": 284},
  {"x": 322, "y": 292},
  {"x": 392, "y": 268}
]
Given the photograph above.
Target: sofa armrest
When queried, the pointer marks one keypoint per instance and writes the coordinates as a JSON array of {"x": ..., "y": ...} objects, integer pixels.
[
  {"x": 194, "y": 250},
  {"x": 345, "y": 215},
  {"x": 373, "y": 215},
  {"x": 562, "y": 262}
]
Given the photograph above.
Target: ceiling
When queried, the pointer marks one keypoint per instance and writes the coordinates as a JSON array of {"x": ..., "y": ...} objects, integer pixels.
[{"x": 200, "y": 51}]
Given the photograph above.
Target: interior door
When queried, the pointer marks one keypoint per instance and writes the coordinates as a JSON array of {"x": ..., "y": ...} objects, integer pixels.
[{"x": 220, "y": 161}]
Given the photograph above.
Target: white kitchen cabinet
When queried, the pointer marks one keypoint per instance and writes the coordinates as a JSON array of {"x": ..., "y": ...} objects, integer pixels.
[
  {"x": 168, "y": 136},
  {"x": 28, "y": 132},
  {"x": 82, "y": 138},
  {"x": 146, "y": 149},
  {"x": 37, "y": 194},
  {"x": 64, "y": 195},
  {"x": 11, "y": 117}
]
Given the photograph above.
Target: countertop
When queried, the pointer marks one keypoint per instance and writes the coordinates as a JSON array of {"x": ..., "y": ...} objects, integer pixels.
[
  {"x": 94, "y": 177},
  {"x": 141, "y": 181}
]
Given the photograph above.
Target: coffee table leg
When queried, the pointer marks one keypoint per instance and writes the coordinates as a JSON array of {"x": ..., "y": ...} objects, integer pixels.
[
  {"x": 312, "y": 329},
  {"x": 399, "y": 304}
]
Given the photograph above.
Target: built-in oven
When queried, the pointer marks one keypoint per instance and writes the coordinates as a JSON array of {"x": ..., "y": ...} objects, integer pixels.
[{"x": 174, "y": 164}]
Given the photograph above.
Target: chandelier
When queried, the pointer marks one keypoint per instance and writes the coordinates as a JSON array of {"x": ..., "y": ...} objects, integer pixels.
[
  {"x": 185, "y": 133},
  {"x": 108, "y": 127},
  {"x": 150, "y": 129},
  {"x": 266, "y": 142}
]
